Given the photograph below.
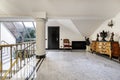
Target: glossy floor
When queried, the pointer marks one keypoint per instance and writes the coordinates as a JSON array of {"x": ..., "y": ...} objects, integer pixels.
[{"x": 77, "y": 65}]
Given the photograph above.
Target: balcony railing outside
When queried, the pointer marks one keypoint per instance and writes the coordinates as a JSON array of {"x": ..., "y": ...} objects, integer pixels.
[{"x": 19, "y": 55}]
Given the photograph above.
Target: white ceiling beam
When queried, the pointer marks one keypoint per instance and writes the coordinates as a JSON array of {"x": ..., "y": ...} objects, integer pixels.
[{"x": 23, "y": 17}]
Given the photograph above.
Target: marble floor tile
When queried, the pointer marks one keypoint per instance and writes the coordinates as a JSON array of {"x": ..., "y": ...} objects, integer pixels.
[{"x": 77, "y": 65}]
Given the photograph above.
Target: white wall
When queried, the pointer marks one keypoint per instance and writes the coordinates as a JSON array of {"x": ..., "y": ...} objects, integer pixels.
[
  {"x": 6, "y": 35},
  {"x": 104, "y": 26},
  {"x": 67, "y": 30}
]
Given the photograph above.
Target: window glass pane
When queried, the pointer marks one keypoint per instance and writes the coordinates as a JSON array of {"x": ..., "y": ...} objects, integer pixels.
[
  {"x": 10, "y": 26},
  {"x": 22, "y": 31},
  {"x": 30, "y": 29},
  {"x": 28, "y": 24},
  {"x": 19, "y": 26}
]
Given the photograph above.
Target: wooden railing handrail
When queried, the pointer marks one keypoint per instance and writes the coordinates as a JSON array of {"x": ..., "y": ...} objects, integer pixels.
[
  {"x": 9, "y": 45},
  {"x": 29, "y": 45}
]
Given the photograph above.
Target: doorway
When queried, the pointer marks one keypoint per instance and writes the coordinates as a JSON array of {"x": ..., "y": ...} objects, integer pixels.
[{"x": 53, "y": 37}]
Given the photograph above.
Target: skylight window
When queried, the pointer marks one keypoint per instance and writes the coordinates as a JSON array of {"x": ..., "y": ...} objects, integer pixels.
[
  {"x": 22, "y": 31},
  {"x": 28, "y": 24}
]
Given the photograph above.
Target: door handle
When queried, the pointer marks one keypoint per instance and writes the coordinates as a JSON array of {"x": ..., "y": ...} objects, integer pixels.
[{"x": 56, "y": 39}]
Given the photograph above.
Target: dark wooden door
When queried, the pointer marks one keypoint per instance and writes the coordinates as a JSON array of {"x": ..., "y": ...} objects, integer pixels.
[{"x": 53, "y": 37}]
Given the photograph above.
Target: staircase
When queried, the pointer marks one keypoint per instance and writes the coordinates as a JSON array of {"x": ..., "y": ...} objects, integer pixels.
[
  {"x": 5, "y": 54},
  {"x": 5, "y": 58},
  {"x": 6, "y": 63}
]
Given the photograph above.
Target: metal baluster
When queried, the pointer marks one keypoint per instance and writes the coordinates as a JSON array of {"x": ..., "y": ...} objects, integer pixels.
[
  {"x": 14, "y": 54},
  {"x": 34, "y": 47},
  {"x": 8, "y": 48},
  {"x": 17, "y": 57},
  {"x": 21, "y": 54},
  {"x": 29, "y": 51},
  {"x": 11, "y": 60},
  {"x": 24, "y": 55},
  {"x": 1, "y": 62}
]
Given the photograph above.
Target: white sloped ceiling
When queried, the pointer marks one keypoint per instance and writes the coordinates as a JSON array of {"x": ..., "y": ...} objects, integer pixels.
[
  {"x": 87, "y": 26},
  {"x": 71, "y": 9}
]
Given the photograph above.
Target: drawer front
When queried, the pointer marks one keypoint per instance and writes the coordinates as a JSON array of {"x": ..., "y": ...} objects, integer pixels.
[{"x": 106, "y": 44}]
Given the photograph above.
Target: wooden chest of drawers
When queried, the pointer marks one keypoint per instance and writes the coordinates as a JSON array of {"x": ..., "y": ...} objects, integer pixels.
[{"x": 109, "y": 48}]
